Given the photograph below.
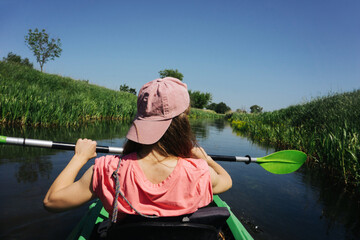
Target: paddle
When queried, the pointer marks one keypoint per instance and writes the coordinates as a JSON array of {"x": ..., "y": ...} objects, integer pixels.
[{"x": 281, "y": 162}]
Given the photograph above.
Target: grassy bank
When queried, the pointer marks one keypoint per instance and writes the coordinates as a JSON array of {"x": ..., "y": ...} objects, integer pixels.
[
  {"x": 29, "y": 97},
  {"x": 196, "y": 113},
  {"x": 327, "y": 129}
]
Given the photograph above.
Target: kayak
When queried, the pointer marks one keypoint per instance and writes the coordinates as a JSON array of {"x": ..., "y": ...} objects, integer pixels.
[{"x": 233, "y": 229}]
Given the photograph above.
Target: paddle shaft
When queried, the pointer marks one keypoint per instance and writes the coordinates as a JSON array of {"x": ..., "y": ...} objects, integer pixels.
[{"x": 99, "y": 149}]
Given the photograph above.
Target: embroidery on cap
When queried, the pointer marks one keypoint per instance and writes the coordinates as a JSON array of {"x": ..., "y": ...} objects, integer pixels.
[{"x": 165, "y": 105}]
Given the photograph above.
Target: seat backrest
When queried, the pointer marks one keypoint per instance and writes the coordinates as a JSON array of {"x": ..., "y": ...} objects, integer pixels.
[{"x": 203, "y": 224}]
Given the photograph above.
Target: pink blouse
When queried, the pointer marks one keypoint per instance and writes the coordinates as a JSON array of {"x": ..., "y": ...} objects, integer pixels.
[{"x": 185, "y": 190}]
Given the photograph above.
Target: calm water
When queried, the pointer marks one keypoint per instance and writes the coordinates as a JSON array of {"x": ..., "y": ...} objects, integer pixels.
[{"x": 301, "y": 205}]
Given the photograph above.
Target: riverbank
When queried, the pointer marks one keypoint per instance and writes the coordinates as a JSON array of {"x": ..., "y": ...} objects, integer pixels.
[
  {"x": 30, "y": 97},
  {"x": 196, "y": 113},
  {"x": 326, "y": 128}
]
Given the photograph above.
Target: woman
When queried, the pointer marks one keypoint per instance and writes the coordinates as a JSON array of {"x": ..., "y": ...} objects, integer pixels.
[{"x": 161, "y": 172}]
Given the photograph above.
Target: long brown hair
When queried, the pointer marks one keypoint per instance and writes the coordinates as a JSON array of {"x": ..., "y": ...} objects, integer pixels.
[{"x": 178, "y": 140}]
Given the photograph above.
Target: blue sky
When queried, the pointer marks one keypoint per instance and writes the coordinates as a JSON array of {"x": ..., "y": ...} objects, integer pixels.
[{"x": 272, "y": 53}]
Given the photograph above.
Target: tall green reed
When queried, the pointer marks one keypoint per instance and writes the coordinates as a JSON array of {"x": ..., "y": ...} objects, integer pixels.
[
  {"x": 196, "y": 113},
  {"x": 30, "y": 97},
  {"x": 326, "y": 128}
]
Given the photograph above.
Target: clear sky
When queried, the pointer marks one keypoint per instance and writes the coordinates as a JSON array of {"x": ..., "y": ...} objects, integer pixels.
[{"x": 273, "y": 53}]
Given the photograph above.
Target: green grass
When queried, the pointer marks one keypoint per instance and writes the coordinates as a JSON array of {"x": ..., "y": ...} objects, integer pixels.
[
  {"x": 326, "y": 128},
  {"x": 196, "y": 113},
  {"x": 29, "y": 97}
]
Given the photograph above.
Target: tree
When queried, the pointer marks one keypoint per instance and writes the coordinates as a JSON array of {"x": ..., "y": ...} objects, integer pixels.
[
  {"x": 199, "y": 99},
  {"x": 212, "y": 106},
  {"x": 219, "y": 107},
  {"x": 11, "y": 57},
  {"x": 222, "y": 108},
  {"x": 171, "y": 73},
  {"x": 44, "y": 49},
  {"x": 240, "y": 110},
  {"x": 126, "y": 88},
  {"x": 256, "y": 109}
]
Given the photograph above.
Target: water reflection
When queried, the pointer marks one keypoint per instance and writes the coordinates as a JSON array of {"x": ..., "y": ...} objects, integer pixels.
[
  {"x": 30, "y": 170},
  {"x": 324, "y": 205},
  {"x": 219, "y": 124},
  {"x": 338, "y": 205},
  {"x": 263, "y": 144},
  {"x": 33, "y": 162},
  {"x": 201, "y": 127}
]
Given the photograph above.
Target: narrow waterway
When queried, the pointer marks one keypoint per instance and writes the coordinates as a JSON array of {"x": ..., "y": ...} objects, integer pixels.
[{"x": 301, "y": 205}]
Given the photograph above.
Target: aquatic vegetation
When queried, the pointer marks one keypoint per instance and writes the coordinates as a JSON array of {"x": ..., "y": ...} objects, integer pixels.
[
  {"x": 326, "y": 128},
  {"x": 240, "y": 126}
]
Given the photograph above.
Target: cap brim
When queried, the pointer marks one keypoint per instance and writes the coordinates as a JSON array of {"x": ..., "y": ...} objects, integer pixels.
[{"x": 147, "y": 131}]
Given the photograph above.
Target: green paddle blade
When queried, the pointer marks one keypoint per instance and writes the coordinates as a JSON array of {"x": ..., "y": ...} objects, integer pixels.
[{"x": 283, "y": 162}]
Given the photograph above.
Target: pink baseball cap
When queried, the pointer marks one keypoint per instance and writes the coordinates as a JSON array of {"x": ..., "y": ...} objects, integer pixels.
[{"x": 159, "y": 101}]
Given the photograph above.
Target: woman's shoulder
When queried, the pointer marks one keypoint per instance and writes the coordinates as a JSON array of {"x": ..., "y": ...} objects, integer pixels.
[
  {"x": 111, "y": 161},
  {"x": 106, "y": 159},
  {"x": 195, "y": 163}
]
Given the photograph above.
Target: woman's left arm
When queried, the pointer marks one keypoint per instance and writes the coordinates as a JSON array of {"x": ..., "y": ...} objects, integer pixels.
[
  {"x": 64, "y": 193},
  {"x": 220, "y": 179}
]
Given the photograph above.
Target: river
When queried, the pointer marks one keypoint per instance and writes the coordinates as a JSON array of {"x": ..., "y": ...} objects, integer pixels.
[{"x": 301, "y": 205}]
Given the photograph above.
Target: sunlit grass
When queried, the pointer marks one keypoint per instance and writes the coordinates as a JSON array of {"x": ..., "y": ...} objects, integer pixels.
[
  {"x": 29, "y": 97},
  {"x": 326, "y": 128},
  {"x": 202, "y": 113}
]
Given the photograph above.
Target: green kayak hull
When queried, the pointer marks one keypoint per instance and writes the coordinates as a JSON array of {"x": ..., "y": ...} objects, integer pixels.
[{"x": 97, "y": 214}]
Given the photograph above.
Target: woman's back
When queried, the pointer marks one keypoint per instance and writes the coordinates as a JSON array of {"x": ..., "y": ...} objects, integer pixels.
[
  {"x": 157, "y": 168},
  {"x": 177, "y": 191}
]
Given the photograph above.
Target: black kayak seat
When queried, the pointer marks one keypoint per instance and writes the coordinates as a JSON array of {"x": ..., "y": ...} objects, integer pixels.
[{"x": 205, "y": 223}]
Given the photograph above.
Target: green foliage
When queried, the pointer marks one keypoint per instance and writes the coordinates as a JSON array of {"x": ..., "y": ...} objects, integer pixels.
[
  {"x": 219, "y": 107},
  {"x": 240, "y": 110},
  {"x": 171, "y": 73},
  {"x": 199, "y": 99},
  {"x": 126, "y": 88},
  {"x": 256, "y": 109},
  {"x": 196, "y": 113},
  {"x": 44, "y": 49},
  {"x": 11, "y": 57},
  {"x": 29, "y": 97},
  {"x": 326, "y": 128}
]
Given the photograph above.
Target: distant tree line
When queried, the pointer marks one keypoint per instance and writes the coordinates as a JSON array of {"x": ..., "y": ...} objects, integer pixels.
[
  {"x": 11, "y": 57},
  {"x": 255, "y": 109},
  {"x": 197, "y": 99},
  {"x": 126, "y": 88},
  {"x": 171, "y": 73},
  {"x": 219, "y": 107}
]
